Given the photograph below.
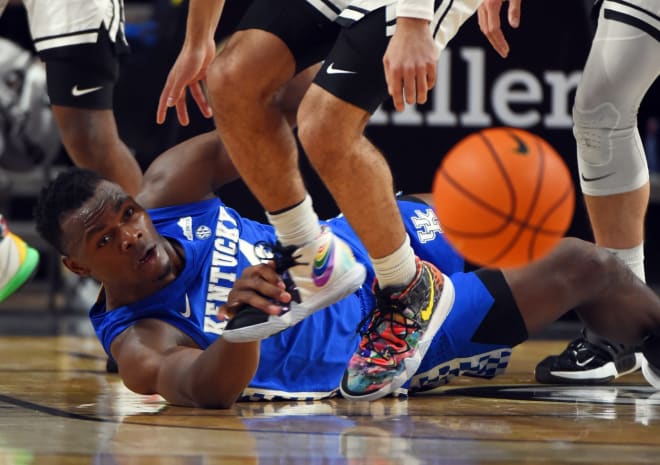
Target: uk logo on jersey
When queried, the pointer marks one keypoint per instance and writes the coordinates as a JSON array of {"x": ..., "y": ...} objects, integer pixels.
[{"x": 427, "y": 225}]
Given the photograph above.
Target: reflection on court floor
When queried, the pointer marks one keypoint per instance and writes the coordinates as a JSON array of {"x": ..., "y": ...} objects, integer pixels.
[{"x": 58, "y": 406}]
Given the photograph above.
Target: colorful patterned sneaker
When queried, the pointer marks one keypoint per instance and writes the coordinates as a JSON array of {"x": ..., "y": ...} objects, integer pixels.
[
  {"x": 18, "y": 261},
  {"x": 588, "y": 360},
  {"x": 399, "y": 333},
  {"x": 316, "y": 275}
]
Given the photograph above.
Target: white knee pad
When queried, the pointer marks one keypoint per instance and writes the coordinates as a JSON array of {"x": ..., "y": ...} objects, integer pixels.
[{"x": 611, "y": 159}]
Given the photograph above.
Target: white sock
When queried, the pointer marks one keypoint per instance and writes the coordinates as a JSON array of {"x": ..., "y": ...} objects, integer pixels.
[
  {"x": 298, "y": 225},
  {"x": 397, "y": 269},
  {"x": 634, "y": 258}
]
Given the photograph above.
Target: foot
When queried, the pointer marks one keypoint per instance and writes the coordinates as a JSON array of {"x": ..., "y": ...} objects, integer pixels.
[
  {"x": 18, "y": 261},
  {"x": 316, "y": 275},
  {"x": 588, "y": 360},
  {"x": 399, "y": 333}
]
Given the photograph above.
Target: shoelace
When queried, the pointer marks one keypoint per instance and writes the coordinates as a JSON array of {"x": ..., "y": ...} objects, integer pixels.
[
  {"x": 281, "y": 255},
  {"x": 584, "y": 345},
  {"x": 386, "y": 309},
  {"x": 602, "y": 346}
]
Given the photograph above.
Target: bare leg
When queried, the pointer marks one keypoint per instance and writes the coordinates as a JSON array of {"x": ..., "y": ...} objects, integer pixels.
[
  {"x": 618, "y": 220},
  {"x": 579, "y": 275},
  {"x": 253, "y": 126},
  {"x": 611, "y": 155},
  {"x": 357, "y": 175},
  {"x": 91, "y": 139}
]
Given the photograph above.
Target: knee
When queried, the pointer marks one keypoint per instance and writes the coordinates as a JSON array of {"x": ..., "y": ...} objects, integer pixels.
[
  {"x": 223, "y": 81},
  {"x": 594, "y": 268},
  {"x": 323, "y": 134}
]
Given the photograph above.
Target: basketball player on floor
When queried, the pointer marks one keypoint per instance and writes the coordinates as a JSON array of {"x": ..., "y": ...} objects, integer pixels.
[
  {"x": 167, "y": 272},
  {"x": 614, "y": 176},
  {"x": 81, "y": 42},
  {"x": 276, "y": 40}
]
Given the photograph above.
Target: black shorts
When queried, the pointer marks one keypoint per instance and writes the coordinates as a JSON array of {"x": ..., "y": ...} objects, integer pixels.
[
  {"x": 353, "y": 70},
  {"x": 306, "y": 32},
  {"x": 504, "y": 324},
  {"x": 84, "y": 75}
]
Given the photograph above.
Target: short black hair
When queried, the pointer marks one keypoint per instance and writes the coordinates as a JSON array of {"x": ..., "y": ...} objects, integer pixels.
[{"x": 67, "y": 192}]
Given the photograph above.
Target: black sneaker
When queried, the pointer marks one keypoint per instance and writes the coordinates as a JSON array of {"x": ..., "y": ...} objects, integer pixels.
[
  {"x": 316, "y": 275},
  {"x": 588, "y": 360}
]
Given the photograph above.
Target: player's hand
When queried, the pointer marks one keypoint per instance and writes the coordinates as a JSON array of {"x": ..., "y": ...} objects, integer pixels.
[
  {"x": 259, "y": 286},
  {"x": 410, "y": 62},
  {"x": 489, "y": 22},
  {"x": 189, "y": 71}
]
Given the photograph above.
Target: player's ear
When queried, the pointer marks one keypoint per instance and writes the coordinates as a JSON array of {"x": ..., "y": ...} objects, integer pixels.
[{"x": 76, "y": 267}]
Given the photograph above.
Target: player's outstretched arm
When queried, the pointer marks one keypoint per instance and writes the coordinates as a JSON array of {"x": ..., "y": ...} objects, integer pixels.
[
  {"x": 489, "y": 23},
  {"x": 188, "y": 172},
  {"x": 155, "y": 358}
]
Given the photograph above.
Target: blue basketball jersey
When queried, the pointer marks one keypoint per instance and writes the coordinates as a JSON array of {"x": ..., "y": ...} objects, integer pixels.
[{"x": 306, "y": 361}]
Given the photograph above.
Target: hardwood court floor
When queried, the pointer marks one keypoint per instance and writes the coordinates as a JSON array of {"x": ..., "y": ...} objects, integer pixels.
[{"x": 58, "y": 406}]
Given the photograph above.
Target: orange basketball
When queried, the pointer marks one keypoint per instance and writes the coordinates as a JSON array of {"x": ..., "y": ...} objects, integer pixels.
[{"x": 504, "y": 197}]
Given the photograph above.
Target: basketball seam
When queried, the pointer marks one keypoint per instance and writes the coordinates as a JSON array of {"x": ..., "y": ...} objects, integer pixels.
[
  {"x": 550, "y": 210},
  {"x": 524, "y": 223}
]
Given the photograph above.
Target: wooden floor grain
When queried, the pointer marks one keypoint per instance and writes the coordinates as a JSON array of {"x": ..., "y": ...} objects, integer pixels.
[{"x": 58, "y": 406}]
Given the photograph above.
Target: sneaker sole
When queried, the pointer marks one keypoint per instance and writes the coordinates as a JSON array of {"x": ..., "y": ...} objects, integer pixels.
[
  {"x": 411, "y": 364},
  {"x": 651, "y": 377},
  {"x": 346, "y": 285},
  {"x": 23, "y": 274},
  {"x": 601, "y": 375}
]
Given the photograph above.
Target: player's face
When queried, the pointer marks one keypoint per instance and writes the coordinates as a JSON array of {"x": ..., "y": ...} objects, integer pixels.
[{"x": 111, "y": 237}]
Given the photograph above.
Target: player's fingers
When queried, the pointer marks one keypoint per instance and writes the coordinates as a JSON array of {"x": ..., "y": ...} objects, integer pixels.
[
  {"x": 182, "y": 112},
  {"x": 514, "y": 12},
  {"x": 200, "y": 98},
  {"x": 394, "y": 87},
  {"x": 245, "y": 297},
  {"x": 265, "y": 280},
  {"x": 499, "y": 43},
  {"x": 161, "y": 112},
  {"x": 431, "y": 75},
  {"x": 409, "y": 86},
  {"x": 230, "y": 308},
  {"x": 494, "y": 28},
  {"x": 421, "y": 85}
]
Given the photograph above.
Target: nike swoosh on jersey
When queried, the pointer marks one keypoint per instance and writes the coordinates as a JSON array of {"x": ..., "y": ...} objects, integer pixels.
[
  {"x": 332, "y": 70},
  {"x": 76, "y": 92},
  {"x": 597, "y": 178},
  {"x": 187, "y": 312}
]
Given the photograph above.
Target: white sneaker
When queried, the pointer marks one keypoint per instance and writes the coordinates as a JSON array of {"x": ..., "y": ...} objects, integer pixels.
[
  {"x": 651, "y": 374},
  {"x": 316, "y": 275},
  {"x": 18, "y": 261}
]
